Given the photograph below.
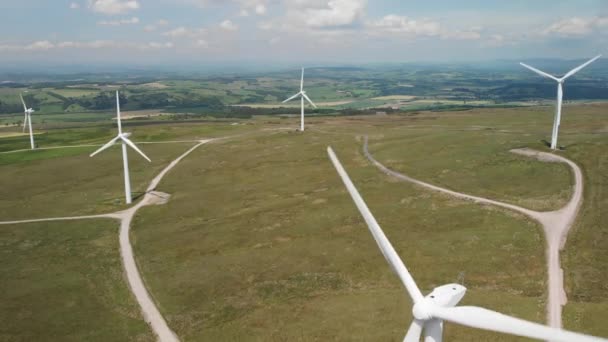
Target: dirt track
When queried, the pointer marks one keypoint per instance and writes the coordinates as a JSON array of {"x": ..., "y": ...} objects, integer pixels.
[
  {"x": 556, "y": 224},
  {"x": 148, "y": 308}
]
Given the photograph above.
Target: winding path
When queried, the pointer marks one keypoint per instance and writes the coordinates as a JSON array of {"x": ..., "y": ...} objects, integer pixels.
[
  {"x": 556, "y": 224},
  {"x": 148, "y": 308}
]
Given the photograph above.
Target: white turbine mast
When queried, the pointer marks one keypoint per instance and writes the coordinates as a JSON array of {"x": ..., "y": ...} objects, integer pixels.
[
  {"x": 303, "y": 96},
  {"x": 560, "y": 94},
  {"x": 124, "y": 139},
  {"x": 28, "y": 120},
  {"x": 440, "y": 305}
]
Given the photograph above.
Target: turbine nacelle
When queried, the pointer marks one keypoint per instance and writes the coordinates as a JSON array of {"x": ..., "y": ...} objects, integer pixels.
[{"x": 446, "y": 296}]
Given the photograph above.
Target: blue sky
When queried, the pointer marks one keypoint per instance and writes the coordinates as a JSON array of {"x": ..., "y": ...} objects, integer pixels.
[{"x": 298, "y": 31}]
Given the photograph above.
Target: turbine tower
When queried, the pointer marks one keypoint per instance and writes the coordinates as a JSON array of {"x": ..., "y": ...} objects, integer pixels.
[
  {"x": 431, "y": 310},
  {"x": 560, "y": 95},
  {"x": 28, "y": 120},
  {"x": 303, "y": 96},
  {"x": 124, "y": 139}
]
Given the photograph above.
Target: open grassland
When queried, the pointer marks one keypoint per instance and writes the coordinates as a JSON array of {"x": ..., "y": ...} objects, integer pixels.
[
  {"x": 489, "y": 134},
  {"x": 586, "y": 259},
  {"x": 33, "y": 180},
  {"x": 67, "y": 182},
  {"x": 476, "y": 162},
  {"x": 261, "y": 242},
  {"x": 63, "y": 281}
]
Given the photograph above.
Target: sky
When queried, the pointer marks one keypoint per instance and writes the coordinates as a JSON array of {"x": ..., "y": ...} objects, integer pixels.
[{"x": 174, "y": 32}]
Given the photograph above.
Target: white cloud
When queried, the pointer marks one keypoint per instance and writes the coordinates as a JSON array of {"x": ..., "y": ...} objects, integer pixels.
[
  {"x": 113, "y": 6},
  {"x": 95, "y": 44},
  {"x": 473, "y": 33},
  {"x": 265, "y": 25},
  {"x": 576, "y": 26},
  {"x": 131, "y": 21},
  {"x": 260, "y": 9},
  {"x": 40, "y": 45},
  {"x": 201, "y": 43},
  {"x": 154, "y": 27},
  {"x": 156, "y": 45},
  {"x": 182, "y": 31},
  {"x": 399, "y": 24},
  {"x": 178, "y": 32},
  {"x": 74, "y": 5},
  {"x": 328, "y": 13},
  {"x": 229, "y": 25}
]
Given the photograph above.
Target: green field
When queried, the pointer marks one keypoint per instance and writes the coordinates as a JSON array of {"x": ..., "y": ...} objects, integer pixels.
[
  {"x": 275, "y": 250},
  {"x": 260, "y": 240},
  {"x": 63, "y": 281}
]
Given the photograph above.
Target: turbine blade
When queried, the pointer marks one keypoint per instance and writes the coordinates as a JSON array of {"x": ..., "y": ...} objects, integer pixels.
[
  {"x": 414, "y": 332},
  {"x": 433, "y": 330},
  {"x": 118, "y": 114},
  {"x": 385, "y": 246},
  {"x": 106, "y": 146},
  {"x": 542, "y": 73},
  {"x": 302, "y": 81},
  {"x": 24, "y": 122},
  {"x": 577, "y": 69},
  {"x": 22, "y": 101},
  {"x": 307, "y": 99},
  {"x": 132, "y": 145},
  {"x": 481, "y": 318},
  {"x": 293, "y": 97}
]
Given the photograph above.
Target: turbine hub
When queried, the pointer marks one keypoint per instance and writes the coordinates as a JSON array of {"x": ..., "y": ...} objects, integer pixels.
[{"x": 421, "y": 310}]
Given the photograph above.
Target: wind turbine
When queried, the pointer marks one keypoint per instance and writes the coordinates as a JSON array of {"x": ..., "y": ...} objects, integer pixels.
[
  {"x": 28, "y": 120},
  {"x": 560, "y": 94},
  {"x": 303, "y": 96},
  {"x": 124, "y": 139},
  {"x": 430, "y": 311}
]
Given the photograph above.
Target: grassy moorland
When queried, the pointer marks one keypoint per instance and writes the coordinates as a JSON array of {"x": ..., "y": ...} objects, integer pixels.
[
  {"x": 469, "y": 152},
  {"x": 63, "y": 281},
  {"x": 83, "y": 185},
  {"x": 471, "y": 156},
  {"x": 261, "y": 242},
  {"x": 67, "y": 182},
  {"x": 585, "y": 259}
]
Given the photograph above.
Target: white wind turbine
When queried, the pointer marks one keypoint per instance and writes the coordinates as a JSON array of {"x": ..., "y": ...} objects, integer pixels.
[
  {"x": 28, "y": 120},
  {"x": 303, "y": 96},
  {"x": 123, "y": 138},
  {"x": 430, "y": 311},
  {"x": 560, "y": 95}
]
